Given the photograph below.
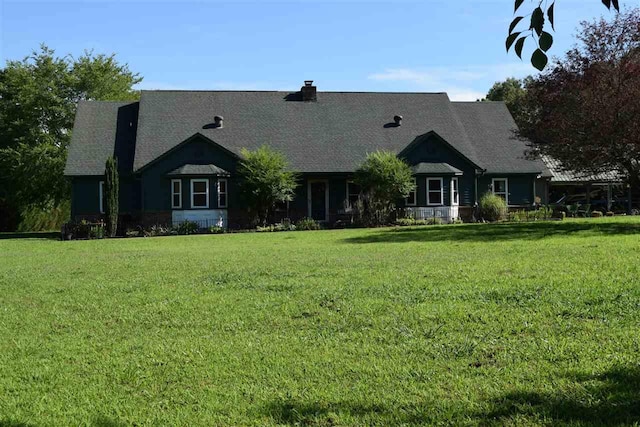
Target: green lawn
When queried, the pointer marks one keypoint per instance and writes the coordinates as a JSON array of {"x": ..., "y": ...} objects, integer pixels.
[{"x": 512, "y": 324}]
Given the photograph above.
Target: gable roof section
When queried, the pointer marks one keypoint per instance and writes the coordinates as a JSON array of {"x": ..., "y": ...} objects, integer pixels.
[
  {"x": 435, "y": 168},
  {"x": 101, "y": 129},
  {"x": 190, "y": 169},
  {"x": 333, "y": 134},
  {"x": 491, "y": 130}
]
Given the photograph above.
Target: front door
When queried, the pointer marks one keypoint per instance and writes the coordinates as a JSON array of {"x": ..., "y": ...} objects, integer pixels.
[{"x": 318, "y": 200}]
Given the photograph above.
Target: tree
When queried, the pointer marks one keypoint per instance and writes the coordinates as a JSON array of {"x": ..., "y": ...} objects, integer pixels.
[
  {"x": 265, "y": 181},
  {"x": 38, "y": 98},
  {"x": 584, "y": 110},
  {"x": 112, "y": 191},
  {"x": 513, "y": 92},
  {"x": 384, "y": 179},
  {"x": 536, "y": 31}
]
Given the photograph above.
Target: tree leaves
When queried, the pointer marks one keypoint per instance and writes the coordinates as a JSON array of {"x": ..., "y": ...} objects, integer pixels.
[
  {"x": 546, "y": 41},
  {"x": 519, "y": 46},
  {"x": 539, "y": 59},
  {"x": 536, "y": 26},
  {"x": 550, "y": 16},
  {"x": 514, "y": 23},
  {"x": 512, "y": 38},
  {"x": 38, "y": 97},
  {"x": 608, "y": 3},
  {"x": 537, "y": 20}
]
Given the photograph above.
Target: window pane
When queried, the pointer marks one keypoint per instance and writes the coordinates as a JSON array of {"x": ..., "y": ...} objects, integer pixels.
[
  {"x": 222, "y": 199},
  {"x": 200, "y": 200},
  {"x": 222, "y": 185},
  {"x": 499, "y": 186},
  {"x": 176, "y": 200},
  {"x": 434, "y": 185},
  {"x": 199, "y": 187},
  {"x": 176, "y": 186},
  {"x": 434, "y": 198}
]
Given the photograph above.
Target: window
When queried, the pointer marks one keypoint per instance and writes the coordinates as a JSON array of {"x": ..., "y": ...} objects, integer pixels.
[
  {"x": 434, "y": 191},
  {"x": 176, "y": 193},
  {"x": 199, "y": 193},
  {"x": 101, "y": 195},
  {"x": 353, "y": 194},
  {"x": 222, "y": 193},
  {"x": 500, "y": 188},
  {"x": 411, "y": 199},
  {"x": 455, "y": 192}
]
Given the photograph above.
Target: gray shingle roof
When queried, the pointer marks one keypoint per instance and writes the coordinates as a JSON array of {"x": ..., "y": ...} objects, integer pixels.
[
  {"x": 190, "y": 169},
  {"x": 96, "y": 128},
  {"x": 436, "y": 168},
  {"x": 562, "y": 175},
  {"x": 491, "y": 128},
  {"x": 333, "y": 134}
]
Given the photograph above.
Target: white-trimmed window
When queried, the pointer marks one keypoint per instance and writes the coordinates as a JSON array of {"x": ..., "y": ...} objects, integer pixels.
[
  {"x": 176, "y": 193},
  {"x": 500, "y": 188},
  {"x": 434, "y": 192},
  {"x": 222, "y": 193},
  {"x": 199, "y": 193},
  {"x": 101, "y": 199},
  {"x": 412, "y": 199},
  {"x": 353, "y": 194},
  {"x": 455, "y": 192}
]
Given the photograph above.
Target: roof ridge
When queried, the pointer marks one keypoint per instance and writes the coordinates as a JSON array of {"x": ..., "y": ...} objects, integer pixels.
[{"x": 288, "y": 91}]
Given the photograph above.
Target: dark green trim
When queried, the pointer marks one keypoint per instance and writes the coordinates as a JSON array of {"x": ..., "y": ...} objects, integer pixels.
[
  {"x": 183, "y": 143},
  {"x": 421, "y": 138}
]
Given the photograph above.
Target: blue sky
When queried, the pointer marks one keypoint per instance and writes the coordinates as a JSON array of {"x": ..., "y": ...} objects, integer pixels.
[{"x": 428, "y": 45}]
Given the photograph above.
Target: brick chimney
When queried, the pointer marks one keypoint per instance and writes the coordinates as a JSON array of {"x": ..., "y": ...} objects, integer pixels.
[{"x": 308, "y": 91}]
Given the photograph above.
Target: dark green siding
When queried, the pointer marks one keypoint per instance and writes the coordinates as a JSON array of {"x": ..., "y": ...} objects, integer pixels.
[
  {"x": 432, "y": 149},
  {"x": 156, "y": 185},
  {"x": 520, "y": 187},
  {"x": 85, "y": 195}
]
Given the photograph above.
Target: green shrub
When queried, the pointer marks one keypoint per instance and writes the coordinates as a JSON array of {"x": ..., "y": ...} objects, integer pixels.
[
  {"x": 307, "y": 224},
  {"x": 404, "y": 222},
  {"x": 492, "y": 207},
  {"x": 49, "y": 218},
  {"x": 159, "y": 230},
  {"x": 434, "y": 221},
  {"x": 384, "y": 179},
  {"x": 187, "y": 227},
  {"x": 609, "y": 213},
  {"x": 214, "y": 229},
  {"x": 560, "y": 214},
  {"x": 596, "y": 214},
  {"x": 82, "y": 230},
  {"x": 133, "y": 232}
]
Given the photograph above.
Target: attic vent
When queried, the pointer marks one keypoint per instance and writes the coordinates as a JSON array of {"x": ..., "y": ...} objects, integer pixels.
[
  {"x": 308, "y": 91},
  {"x": 218, "y": 122},
  {"x": 397, "y": 120}
]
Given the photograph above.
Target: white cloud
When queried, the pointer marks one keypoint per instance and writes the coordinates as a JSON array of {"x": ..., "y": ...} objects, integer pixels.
[{"x": 461, "y": 83}]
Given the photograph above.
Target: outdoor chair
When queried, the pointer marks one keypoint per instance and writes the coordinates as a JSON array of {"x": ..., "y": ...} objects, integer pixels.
[
  {"x": 584, "y": 210},
  {"x": 572, "y": 210}
]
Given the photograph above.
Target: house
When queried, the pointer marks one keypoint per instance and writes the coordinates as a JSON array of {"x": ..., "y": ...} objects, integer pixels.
[{"x": 178, "y": 152}]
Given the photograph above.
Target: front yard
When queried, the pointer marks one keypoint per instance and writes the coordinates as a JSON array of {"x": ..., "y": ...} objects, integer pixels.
[{"x": 517, "y": 324}]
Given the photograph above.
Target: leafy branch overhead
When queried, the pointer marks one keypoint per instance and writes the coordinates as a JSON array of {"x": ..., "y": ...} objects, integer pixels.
[{"x": 537, "y": 21}]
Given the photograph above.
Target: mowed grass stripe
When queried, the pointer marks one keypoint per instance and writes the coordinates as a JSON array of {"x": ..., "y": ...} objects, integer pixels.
[{"x": 517, "y": 324}]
